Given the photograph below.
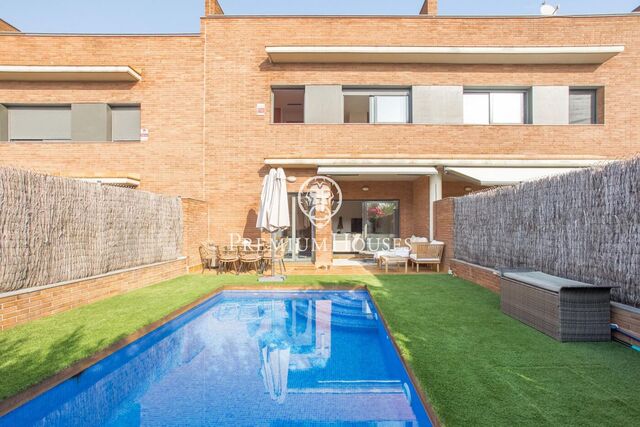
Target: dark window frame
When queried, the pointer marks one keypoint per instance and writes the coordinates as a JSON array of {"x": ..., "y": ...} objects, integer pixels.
[{"x": 594, "y": 103}]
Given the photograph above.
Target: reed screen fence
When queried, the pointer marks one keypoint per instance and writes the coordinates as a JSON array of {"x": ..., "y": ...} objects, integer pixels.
[
  {"x": 55, "y": 229},
  {"x": 583, "y": 225}
]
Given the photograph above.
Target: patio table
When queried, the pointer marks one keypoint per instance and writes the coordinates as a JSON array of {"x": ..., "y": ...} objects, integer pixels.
[{"x": 397, "y": 260}]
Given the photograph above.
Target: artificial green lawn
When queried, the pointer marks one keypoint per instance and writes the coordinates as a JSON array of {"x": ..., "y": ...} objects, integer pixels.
[{"x": 478, "y": 366}]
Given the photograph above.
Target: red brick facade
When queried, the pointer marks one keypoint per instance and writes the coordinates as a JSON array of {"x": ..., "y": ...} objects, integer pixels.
[
  {"x": 195, "y": 230},
  {"x": 444, "y": 229},
  {"x": 199, "y": 95}
]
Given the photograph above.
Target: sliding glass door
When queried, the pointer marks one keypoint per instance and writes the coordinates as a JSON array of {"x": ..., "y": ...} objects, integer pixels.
[
  {"x": 381, "y": 223},
  {"x": 300, "y": 233}
]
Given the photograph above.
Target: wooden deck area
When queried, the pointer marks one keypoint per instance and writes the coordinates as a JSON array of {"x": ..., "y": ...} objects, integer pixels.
[{"x": 308, "y": 268}]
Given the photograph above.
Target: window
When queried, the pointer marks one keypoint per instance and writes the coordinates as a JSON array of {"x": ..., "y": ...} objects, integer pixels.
[
  {"x": 288, "y": 105},
  {"x": 376, "y": 106},
  {"x": 483, "y": 107},
  {"x": 40, "y": 123},
  {"x": 582, "y": 106},
  {"x": 125, "y": 122}
]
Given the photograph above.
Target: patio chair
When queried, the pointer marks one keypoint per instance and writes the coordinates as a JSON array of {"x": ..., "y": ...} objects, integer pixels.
[
  {"x": 423, "y": 253},
  {"x": 281, "y": 250},
  {"x": 250, "y": 256},
  {"x": 228, "y": 256},
  {"x": 208, "y": 255}
]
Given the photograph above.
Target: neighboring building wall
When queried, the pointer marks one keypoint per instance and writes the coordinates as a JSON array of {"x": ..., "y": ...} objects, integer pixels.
[
  {"x": 23, "y": 306},
  {"x": 195, "y": 215},
  {"x": 444, "y": 230},
  {"x": 170, "y": 94},
  {"x": 5, "y": 26},
  {"x": 430, "y": 7},
  {"x": 238, "y": 140}
]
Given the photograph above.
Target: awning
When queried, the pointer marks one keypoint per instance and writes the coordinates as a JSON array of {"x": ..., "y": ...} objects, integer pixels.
[
  {"x": 443, "y": 54},
  {"x": 82, "y": 73},
  {"x": 504, "y": 176},
  {"x": 373, "y": 173}
]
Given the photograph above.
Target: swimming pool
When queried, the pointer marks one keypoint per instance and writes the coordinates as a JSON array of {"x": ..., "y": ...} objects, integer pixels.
[{"x": 245, "y": 359}]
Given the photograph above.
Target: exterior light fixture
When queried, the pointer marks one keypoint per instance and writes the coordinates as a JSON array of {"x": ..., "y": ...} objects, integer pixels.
[
  {"x": 365, "y": 188},
  {"x": 291, "y": 179},
  {"x": 467, "y": 189}
]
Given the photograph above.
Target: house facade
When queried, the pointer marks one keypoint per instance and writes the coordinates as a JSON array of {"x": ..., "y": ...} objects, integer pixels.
[{"x": 400, "y": 111}]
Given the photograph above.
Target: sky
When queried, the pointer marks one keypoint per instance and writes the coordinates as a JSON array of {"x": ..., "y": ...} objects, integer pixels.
[{"x": 182, "y": 16}]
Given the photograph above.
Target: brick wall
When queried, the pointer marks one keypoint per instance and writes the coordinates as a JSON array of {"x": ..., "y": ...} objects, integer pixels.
[
  {"x": 20, "y": 307},
  {"x": 420, "y": 212},
  {"x": 443, "y": 210},
  {"x": 429, "y": 7},
  {"x": 5, "y": 26},
  {"x": 483, "y": 276},
  {"x": 627, "y": 318},
  {"x": 195, "y": 229}
]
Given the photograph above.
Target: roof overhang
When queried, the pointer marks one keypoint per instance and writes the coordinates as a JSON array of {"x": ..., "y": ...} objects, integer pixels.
[
  {"x": 310, "y": 163},
  {"x": 443, "y": 54},
  {"x": 58, "y": 73},
  {"x": 504, "y": 176},
  {"x": 377, "y": 173},
  {"x": 113, "y": 178}
]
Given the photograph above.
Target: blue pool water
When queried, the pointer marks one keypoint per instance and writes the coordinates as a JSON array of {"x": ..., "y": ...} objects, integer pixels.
[{"x": 245, "y": 359}]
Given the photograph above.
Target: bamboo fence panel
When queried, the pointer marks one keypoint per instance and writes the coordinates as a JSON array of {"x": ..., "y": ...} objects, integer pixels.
[
  {"x": 55, "y": 229},
  {"x": 583, "y": 225}
]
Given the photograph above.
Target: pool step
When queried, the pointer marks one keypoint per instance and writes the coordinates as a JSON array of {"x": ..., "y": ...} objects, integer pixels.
[{"x": 348, "y": 318}]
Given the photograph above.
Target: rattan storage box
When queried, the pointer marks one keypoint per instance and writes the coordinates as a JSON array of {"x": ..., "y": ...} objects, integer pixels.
[{"x": 564, "y": 309}]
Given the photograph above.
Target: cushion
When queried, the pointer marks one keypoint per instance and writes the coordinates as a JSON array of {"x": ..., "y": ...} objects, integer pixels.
[
  {"x": 415, "y": 258},
  {"x": 546, "y": 281},
  {"x": 402, "y": 251}
]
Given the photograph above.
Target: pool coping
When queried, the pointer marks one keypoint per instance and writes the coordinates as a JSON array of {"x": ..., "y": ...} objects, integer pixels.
[
  {"x": 9, "y": 404},
  {"x": 417, "y": 385}
]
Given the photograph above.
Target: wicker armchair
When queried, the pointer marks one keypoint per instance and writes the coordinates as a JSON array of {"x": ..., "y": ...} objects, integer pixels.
[
  {"x": 250, "y": 257},
  {"x": 278, "y": 258},
  {"x": 208, "y": 255},
  {"x": 228, "y": 256},
  {"x": 423, "y": 253}
]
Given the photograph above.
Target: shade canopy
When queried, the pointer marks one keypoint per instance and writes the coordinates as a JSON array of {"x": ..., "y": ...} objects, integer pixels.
[{"x": 504, "y": 176}]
